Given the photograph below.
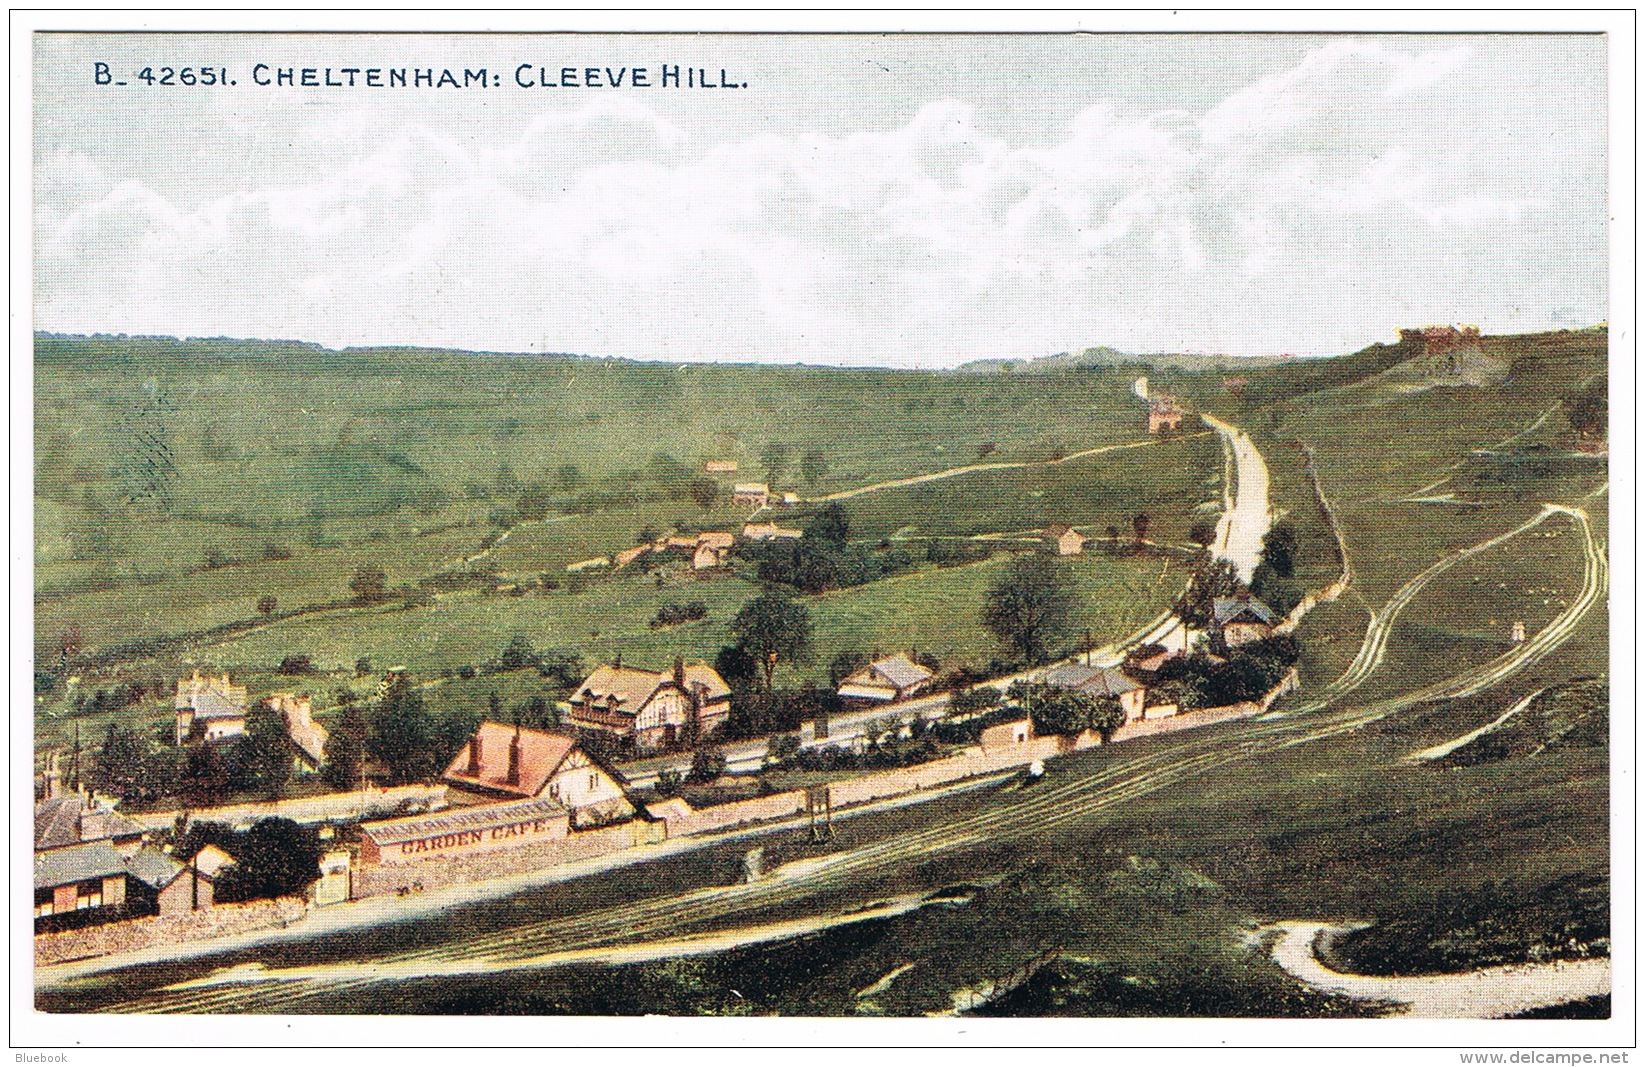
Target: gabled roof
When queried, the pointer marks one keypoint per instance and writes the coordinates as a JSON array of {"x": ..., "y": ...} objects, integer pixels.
[
  {"x": 898, "y": 670},
  {"x": 210, "y": 860},
  {"x": 77, "y": 863},
  {"x": 68, "y": 820},
  {"x": 1057, "y": 529},
  {"x": 541, "y": 754},
  {"x": 632, "y": 687},
  {"x": 1227, "y": 610},
  {"x": 751, "y": 487},
  {"x": 1098, "y": 681},
  {"x": 716, "y": 539},
  {"x": 154, "y": 867}
]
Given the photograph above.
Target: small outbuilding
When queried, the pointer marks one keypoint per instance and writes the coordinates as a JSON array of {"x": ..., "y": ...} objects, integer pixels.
[{"x": 887, "y": 680}]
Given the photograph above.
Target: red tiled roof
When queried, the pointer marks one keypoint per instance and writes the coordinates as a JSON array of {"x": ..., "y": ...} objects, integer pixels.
[{"x": 541, "y": 754}]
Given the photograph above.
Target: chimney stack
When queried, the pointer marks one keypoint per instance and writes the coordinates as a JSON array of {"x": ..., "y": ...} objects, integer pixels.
[
  {"x": 514, "y": 758},
  {"x": 679, "y": 671},
  {"x": 474, "y": 755}
]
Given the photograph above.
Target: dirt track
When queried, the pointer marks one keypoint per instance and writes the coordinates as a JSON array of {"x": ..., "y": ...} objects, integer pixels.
[{"x": 1491, "y": 993}]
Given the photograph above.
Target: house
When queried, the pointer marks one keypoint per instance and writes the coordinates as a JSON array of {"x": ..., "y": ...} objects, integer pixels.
[
  {"x": 509, "y": 763},
  {"x": 1163, "y": 413},
  {"x": 656, "y": 709},
  {"x": 209, "y": 709},
  {"x": 754, "y": 494},
  {"x": 791, "y": 500},
  {"x": 711, "y": 550},
  {"x": 85, "y": 877},
  {"x": 1065, "y": 539},
  {"x": 307, "y": 736},
  {"x": 1104, "y": 682},
  {"x": 768, "y": 531},
  {"x": 720, "y": 466},
  {"x": 1241, "y": 620},
  {"x": 113, "y": 883},
  {"x": 588, "y": 564},
  {"x": 163, "y": 886},
  {"x": 887, "y": 680},
  {"x": 629, "y": 555},
  {"x": 63, "y": 822}
]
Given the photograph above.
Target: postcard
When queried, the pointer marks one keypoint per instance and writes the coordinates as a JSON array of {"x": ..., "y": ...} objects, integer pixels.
[{"x": 941, "y": 530}]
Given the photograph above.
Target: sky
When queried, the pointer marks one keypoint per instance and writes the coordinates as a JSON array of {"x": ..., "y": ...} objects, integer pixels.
[{"x": 908, "y": 201}]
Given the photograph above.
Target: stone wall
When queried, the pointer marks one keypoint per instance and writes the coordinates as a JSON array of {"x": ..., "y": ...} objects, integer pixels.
[{"x": 218, "y": 921}]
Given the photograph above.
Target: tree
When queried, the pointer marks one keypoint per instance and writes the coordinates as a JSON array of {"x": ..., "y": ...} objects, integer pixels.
[
  {"x": 266, "y": 605},
  {"x": 1202, "y": 533},
  {"x": 1139, "y": 529},
  {"x": 345, "y": 748},
  {"x": 401, "y": 734},
  {"x": 668, "y": 784},
  {"x": 736, "y": 666},
  {"x": 1218, "y": 580},
  {"x": 775, "y": 458},
  {"x": 830, "y": 524},
  {"x": 519, "y": 653},
  {"x": 267, "y": 751},
  {"x": 813, "y": 467},
  {"x": 971, "y": 701},
  {"x": 707, "y": 764},
  {"x": 275, "y": 858},
  {"x": 119, "y": 765},
  {"x": 1589, "y": 413},
  {"x": 781, "y": 747},
  {"x": 847, "y": 663},
  {"x": 703, "y": 491},
  {"x": 772, "y": 627},
  {"x": 569, "y": 478},
  {"x": 369, "y": 585},
  {"x": 1030, "y": 607},
  {"x": 1279, "y": 549}
]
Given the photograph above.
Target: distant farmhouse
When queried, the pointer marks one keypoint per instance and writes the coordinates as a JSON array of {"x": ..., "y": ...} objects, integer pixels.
[
  {"x": 752, "y": 494},
  {"x": 1238, "y": 621},
  {"x": 720, "y": 466},
  {"x": 209, "y": 709},
  {"x": 653, "y": 709},
  {"x": 1065, "y": 539},
  {"x": 1163, "y": 413},
  {"x": 886, "y": 681}
]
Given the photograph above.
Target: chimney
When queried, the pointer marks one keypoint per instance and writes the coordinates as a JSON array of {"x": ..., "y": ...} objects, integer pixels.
[
  {"x": 474, "y": 755},
  {"x": 679, "y": 671},
  {"x": 617, "y": 664},
  {"x": 514, "y": 758}
]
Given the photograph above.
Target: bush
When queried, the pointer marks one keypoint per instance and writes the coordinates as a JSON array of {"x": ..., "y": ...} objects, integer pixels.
[
  {"x": 676, "y": 614},
  {"x": 971, "y": 701},
  {"x": 957, "y": 553},
  {"x": 707, "y": 764}
]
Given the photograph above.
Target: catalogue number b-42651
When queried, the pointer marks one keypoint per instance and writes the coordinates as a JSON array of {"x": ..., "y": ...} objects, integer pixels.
[{"x": 103, "y": 75}]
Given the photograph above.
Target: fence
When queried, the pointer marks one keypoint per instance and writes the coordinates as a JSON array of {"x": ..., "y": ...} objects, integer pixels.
[{"x": 974, "y": 997}]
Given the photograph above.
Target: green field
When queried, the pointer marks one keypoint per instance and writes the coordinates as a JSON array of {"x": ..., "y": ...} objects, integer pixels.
[{"x": 396, "y": 459}]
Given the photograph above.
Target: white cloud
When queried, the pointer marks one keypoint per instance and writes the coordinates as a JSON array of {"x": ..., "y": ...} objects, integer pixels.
[{"x": 1293, "y": 214}]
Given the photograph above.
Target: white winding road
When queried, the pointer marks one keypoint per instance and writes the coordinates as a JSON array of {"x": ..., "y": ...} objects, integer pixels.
[{"x": 1490, "y": 993}]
